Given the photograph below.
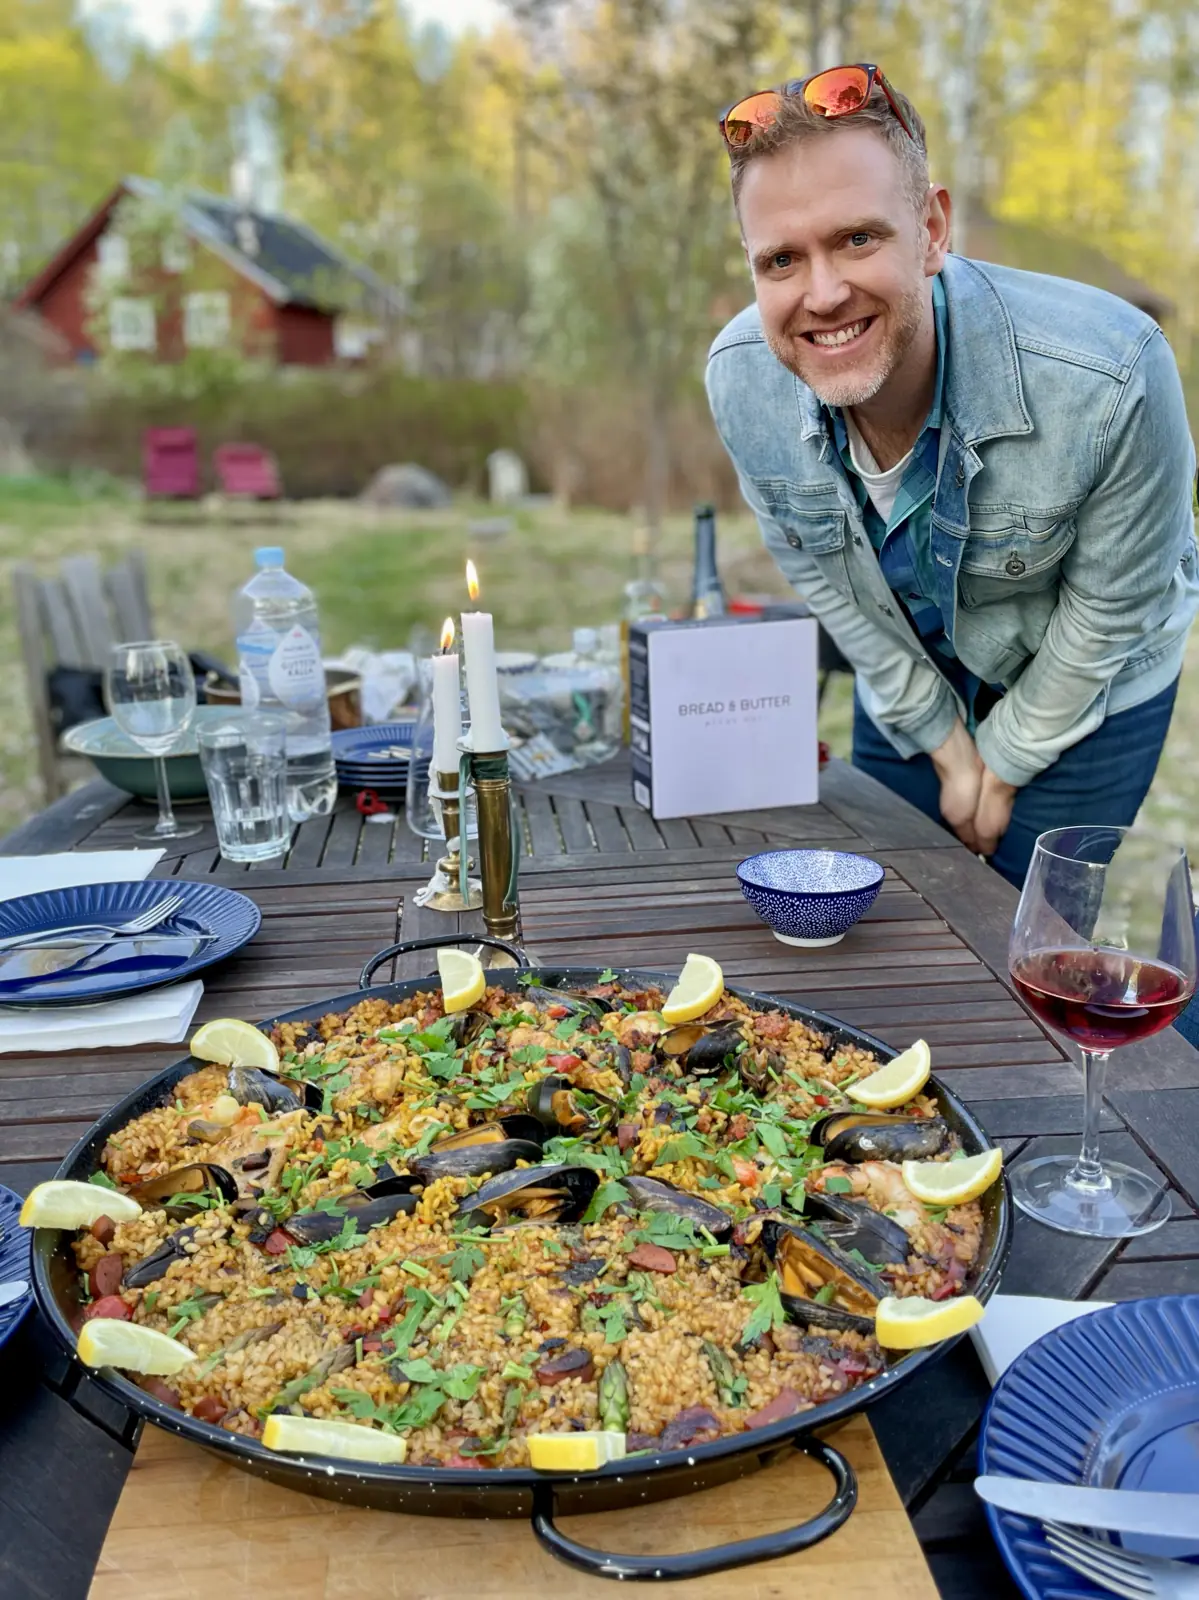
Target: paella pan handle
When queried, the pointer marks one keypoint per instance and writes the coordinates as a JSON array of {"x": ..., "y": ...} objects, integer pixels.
[
  {"x": 698, "y": 1563},
  {"x": 520, "y": 956}
]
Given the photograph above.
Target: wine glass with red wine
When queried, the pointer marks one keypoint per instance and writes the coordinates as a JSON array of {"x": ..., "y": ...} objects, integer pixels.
[{"x": 1103, "y": 952}]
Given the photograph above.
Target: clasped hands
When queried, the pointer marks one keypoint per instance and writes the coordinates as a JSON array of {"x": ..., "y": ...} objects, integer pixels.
[{"x": 974, "y": 802}]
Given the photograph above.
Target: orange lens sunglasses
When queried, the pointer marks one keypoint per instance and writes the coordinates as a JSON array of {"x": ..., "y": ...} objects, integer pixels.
[{"x": 837, "y": 92}]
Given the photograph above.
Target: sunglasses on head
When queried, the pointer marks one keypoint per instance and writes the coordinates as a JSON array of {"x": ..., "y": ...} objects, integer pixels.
[{"x": 837, "y": 92}]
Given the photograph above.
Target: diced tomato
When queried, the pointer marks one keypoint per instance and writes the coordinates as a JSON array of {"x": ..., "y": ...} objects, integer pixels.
[
  {"x": 564, "y": 1063},
  {"x": 749, "y": 1174},
  {"x": 820, "y": 1099},
  {"x": 557, "y": 1012},
  {"x": 276, "y": 1243},
  {"x": 111, "y": 1305},
  {"x": 464, "y": 1461},
  {"x": 384, "y": 1312},
  {"x": 371, "y": 1345}
]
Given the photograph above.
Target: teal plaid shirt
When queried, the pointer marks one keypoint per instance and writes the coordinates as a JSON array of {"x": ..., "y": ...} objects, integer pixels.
[{"x": 903, "y": 544}]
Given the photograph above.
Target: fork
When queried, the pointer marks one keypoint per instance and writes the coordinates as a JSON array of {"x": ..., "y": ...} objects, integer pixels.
[
  {"x": 1120, "y": 1571},
  {"x": 151, "y": 917}
]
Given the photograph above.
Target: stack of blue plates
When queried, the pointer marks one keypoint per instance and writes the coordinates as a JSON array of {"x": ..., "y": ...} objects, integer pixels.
[{"x": 374, "y": 758}]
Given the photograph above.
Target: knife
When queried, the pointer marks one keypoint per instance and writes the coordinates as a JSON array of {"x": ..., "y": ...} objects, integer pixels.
[
  {"x": 13, "y": 1291},
  {"x": 1166, "y": 1515}
]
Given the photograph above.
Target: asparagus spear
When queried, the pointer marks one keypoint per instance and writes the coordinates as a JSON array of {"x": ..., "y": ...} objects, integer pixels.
[{"x": 614, "y": 1398}]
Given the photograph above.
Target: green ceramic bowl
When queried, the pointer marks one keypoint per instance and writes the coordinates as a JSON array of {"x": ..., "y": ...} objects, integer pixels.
[{"x": 115, "y": 757}]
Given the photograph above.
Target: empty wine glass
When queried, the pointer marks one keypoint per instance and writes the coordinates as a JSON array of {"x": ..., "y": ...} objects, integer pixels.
[
  {"x": 1103, "y": 952},
  {"x": 151, "y": 693}
]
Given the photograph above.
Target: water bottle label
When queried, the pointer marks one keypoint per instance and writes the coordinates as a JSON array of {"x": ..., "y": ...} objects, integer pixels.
[
  {"x": 251, "y": 695},
  {"x": 296, "y": 675}
]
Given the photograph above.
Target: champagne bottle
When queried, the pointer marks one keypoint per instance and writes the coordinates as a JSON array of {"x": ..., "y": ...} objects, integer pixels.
[
  {"x": 644, "y": 597},
  {"x": 707, "y": 591}
]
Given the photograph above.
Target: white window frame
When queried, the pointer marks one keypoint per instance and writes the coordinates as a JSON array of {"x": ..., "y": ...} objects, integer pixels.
[
  {"x": 132, "y": 324},
  {"x": 207, "y": 319},
  {"x": 176, "y": 253},
  {"x": 112, "y": 257}
]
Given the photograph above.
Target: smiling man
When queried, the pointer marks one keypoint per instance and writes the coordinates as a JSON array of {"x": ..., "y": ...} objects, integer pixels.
[{"x": 979, "y": 479}]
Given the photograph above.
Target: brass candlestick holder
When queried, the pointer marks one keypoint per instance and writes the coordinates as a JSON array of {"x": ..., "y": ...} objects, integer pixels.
[
  {"x": 451, "y": 888},
  {"x": 499, "y": 854}
]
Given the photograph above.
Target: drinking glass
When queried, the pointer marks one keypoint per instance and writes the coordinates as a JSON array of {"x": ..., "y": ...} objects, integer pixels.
[
  {"x": 151, "y": 694},
  {"x": 1103, "y": 952},
  {"x": 245, "y": 767}
]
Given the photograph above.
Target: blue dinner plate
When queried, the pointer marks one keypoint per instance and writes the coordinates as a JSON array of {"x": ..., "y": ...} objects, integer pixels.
[
  {"x": 14, "y": 1261},
  {"x": 370, "y": 746},
  {"x": 1110, "y": 1401},
  {"x": 124, "y": 968}
]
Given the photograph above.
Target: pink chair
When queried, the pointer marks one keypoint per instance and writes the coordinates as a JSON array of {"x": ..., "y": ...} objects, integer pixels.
[
  {"x": 248, "y": 471},
  {"x": 171, "y": 464}
]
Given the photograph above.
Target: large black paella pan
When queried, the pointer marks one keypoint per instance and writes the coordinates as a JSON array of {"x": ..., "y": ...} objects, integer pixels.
[{"x": 514, "y": 1491}]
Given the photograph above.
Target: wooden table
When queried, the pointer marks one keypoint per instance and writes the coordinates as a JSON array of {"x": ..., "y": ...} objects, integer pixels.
[{"x": 603, "y": 883}]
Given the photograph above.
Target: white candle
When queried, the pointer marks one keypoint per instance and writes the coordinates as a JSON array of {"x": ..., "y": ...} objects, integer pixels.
[
  {"x": 447, "y": 704},
  {"x": 482, "y": 683}
]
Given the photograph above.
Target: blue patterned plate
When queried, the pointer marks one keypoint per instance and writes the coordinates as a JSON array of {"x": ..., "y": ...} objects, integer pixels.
[
  {"x": 15, "y": 1244},
  {"x": 810, "y": 897},
  {"x": 1110, "y": 1401},
  {"x": 125, "y": 967},
  {"x": 386, "y": 742}
]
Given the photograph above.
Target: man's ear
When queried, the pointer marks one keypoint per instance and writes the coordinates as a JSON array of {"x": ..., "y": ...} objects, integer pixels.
[{"x": 938, "y": 220}]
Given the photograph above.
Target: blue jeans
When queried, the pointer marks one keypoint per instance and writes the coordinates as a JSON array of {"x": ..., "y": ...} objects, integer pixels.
[{"x": 1102, "y": 779}]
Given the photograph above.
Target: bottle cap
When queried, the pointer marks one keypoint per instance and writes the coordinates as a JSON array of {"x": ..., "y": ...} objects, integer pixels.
[{"x": 269, "y": 555}]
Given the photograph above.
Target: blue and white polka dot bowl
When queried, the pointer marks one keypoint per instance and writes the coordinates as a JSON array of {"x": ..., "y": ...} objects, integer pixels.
[{"x": 810, "y": 897}]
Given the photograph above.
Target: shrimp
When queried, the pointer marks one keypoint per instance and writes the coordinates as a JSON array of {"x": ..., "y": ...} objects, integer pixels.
[{"x": 881, "y": 1185}]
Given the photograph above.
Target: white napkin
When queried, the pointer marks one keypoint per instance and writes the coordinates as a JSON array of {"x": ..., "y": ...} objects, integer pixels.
[
  {"x": 163, "y": 1016},
  {"x": 1014, "y": 1321},
  {"x": 32, "y": 874}
]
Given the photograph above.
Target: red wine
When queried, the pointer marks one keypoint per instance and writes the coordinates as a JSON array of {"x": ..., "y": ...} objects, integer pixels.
[{"x": 1100, "y": 998}]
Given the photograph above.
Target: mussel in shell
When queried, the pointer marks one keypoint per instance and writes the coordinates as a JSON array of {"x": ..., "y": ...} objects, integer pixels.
[
  {"x": 465, "y": 1026},
  {"x": 248, "y": 1086},
  {"x": 317, "y": 1227},
  {"x": 554, "y": 1193},
  {"x": 575, "y": 1005},
  {"x": 652, "y": 1194},
  {"x": 464, "y": 1158},
  {"x": 877, "y": 1136},
  {"x": 553, "y": 1102},
  {"x": 854, "y": 1225},
  {"x": 156, "y": 1265},
  {"x": 820, "y": 1286},
  {"x": 199, "y": 1178},
  {"x": 700, "y": 1047}
]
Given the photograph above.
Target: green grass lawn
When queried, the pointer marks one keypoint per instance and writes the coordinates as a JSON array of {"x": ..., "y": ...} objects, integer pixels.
[{"x": 378, "y": 575}]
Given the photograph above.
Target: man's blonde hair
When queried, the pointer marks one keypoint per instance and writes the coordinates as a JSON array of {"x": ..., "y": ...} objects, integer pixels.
[{"x": 796, "y": 122}]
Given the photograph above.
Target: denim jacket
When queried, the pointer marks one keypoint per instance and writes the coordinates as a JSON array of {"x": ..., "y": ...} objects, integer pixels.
[{"x": 1063, "y": 537}]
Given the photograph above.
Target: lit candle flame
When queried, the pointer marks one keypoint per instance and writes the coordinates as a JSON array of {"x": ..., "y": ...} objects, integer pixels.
[
  {"x": 472, "y": 580},
  {"x": 447, "y": 636}
]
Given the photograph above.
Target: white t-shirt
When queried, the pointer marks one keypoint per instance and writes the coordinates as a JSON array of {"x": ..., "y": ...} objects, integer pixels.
[{"x": 882, "y": 487}]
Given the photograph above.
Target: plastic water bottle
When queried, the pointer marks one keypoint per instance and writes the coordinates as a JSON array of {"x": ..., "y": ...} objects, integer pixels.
[{"x": 279, "y": 666}]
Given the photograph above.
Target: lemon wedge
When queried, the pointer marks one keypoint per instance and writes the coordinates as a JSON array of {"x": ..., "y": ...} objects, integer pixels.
[
  {"x": 913, "y": 1323},
  {"x": 952, "y": 1183},
  {"x": 700, "y": 986},
  {"x": 229, "y": 1042},
  {"x": 574, "y": 1452},
  {"x": 348, "y": 1441},
  {"x": 463, "y": 983},
  {"x": 898, "y": 1081},
  {"x": 109, "y": 1342},
  {"x": 66, "y": 1203}
]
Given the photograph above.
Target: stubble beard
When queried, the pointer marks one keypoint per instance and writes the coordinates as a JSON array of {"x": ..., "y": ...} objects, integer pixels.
[{"x": 855, "y": 388}]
